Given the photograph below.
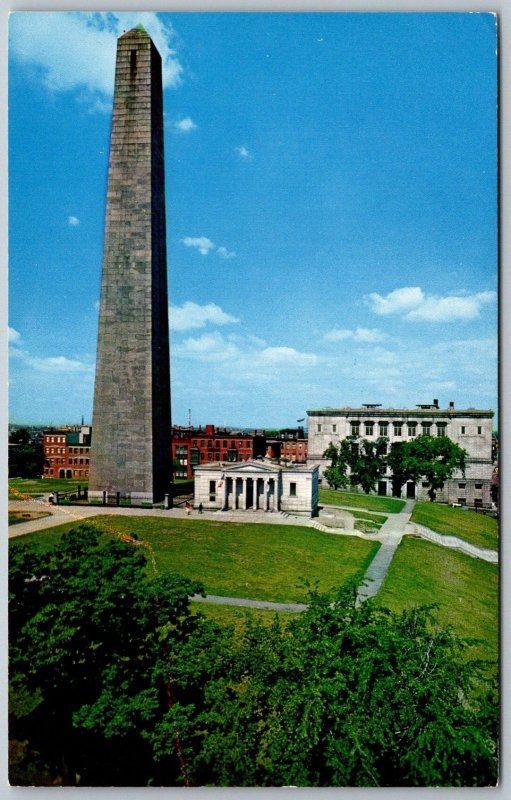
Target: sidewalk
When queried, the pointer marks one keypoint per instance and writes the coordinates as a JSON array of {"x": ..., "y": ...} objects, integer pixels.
[{"x": 393, "y": 530}]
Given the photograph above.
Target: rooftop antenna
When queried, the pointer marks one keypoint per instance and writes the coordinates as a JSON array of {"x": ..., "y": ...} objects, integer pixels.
[{"x": 189, "y": 417}]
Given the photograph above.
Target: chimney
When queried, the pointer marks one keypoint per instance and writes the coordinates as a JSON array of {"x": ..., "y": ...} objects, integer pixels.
[
  {"x": 451, "y": 406},
  {"x": 435, "y": 403}
]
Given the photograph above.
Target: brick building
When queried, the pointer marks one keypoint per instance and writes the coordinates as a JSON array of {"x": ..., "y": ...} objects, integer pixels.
[
  {"x": 288, "y": 444},
  {"x": 67, "y": 452},
  {"x": 469, "y": 428},
  {"x": 197, "y": 446}
]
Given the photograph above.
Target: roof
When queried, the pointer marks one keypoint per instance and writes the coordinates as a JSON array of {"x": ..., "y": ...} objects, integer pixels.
[{"x": 400, "y": 412}]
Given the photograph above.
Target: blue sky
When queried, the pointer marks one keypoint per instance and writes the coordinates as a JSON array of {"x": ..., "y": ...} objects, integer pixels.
[{"x": 331, "y": 210}]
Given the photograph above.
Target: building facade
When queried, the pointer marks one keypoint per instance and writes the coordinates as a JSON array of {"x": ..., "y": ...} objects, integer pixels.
[
  {"x": 469, "y": 428},
  {"x": 193, "y": 447},
  {"x": 67, "y": 452},
  {"x": 289, "y": 445},
  {"x": 257, "y": 486}
]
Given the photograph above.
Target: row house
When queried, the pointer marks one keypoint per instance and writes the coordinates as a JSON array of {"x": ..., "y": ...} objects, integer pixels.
[
  {"x": 67, "y": 452},
  {"x": 192, "y": 447},
  {"x": 288, "y": 445}
]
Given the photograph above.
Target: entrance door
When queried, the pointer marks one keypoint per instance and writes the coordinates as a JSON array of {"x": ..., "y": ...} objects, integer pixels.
[
  {"x": 382, "y": 488},
  {"x": 410, "y": 491}
]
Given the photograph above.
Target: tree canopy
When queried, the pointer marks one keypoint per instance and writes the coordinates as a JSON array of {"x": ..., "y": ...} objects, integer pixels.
[
  {"x": 362, "y": 462},
  {"x": 115, "y": 680}
]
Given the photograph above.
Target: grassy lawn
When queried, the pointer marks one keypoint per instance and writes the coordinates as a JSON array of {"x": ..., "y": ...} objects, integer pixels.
[
  {"x": 477, "y": 529},
  {"x": 261, "y": 562},
  {"x": 25, "y": 516},
  {"x": 38, "y": 486},
  {"x": 373, "y": 502},
  {"x": 465, "y": 589}
]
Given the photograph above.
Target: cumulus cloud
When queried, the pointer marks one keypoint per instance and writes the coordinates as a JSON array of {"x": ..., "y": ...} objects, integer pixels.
[
  {"x": 14, "y": 336},
  {"x": 358, "y": 335},
  {"x": 192, "y": 315},
  {"x": 73, "y": 221},
  {"x": 201, "y": 243},
  {"x": 252, "y": 358},
  {"x": 76, "y": 51},
  {"x": 396, "y": 302},
  {"x": 185, "y": 125},
  {"x": 244, "y": 153},
  {"x": 52, "y": 364},
  {"x": 205, "y": 246},
  {"x": 449, "y": 309},
  {"x": 411, "y": 303}
]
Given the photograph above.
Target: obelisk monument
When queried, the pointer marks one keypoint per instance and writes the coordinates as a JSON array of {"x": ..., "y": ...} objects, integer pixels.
[{"x": 131, "y": 447}]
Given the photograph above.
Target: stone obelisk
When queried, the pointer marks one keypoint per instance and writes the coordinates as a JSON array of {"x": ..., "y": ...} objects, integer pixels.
[{"x": 131, "y": 447}]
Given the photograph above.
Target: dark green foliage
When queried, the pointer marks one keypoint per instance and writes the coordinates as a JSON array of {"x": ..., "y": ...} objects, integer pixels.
[
  {"x": 129, "y": 687},
  {"x": 361, "y": 462}
]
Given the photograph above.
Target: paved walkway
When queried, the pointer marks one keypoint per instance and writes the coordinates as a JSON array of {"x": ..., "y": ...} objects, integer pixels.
[
  {"x": 392, "y": 530},
  {"x": 245, "y": 603}
]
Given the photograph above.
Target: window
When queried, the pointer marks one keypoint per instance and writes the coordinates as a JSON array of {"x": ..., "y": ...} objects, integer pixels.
[
  {"x": 462, "y": 430},
  {"x": 334, "y": 428},
  {"x": 478, "y": 502},
  {"x": 384, "y": 428},
  {"x": 479, "y": 430},
  {"x": 319, "y": 428},
  {"x": 355, "y": 428},
  {"x": 441, "y": 428},
  {"x": 292, "y": 489},
  {"x": 224, "y": 442},
  {"x": 462, "y": 485},
  {"x": 426, "y": 428},
  {"x": 462, "y": 501},
  {"x": 412, "y": 429},
  {"x": 479, "y": 486},
  {"x": 398, "y": 427},
  {"x": 425, "y": 485},
  {"x": 202, "y": 456},
  {"x": 369, "y": 426},
  {"x": 202, "y": 443},
  {"x": 212, "y": 487}
]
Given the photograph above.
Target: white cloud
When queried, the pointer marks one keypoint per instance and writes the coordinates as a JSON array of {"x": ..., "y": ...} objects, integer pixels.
[
  {"x": 287, "y": 356},
  {"x": 413, "y": 304},
  {"x": 244, "y": 153},
  {"x": 359, "y": 335},
  {"x": 73, "y": 221},
  {"x": 185, "y": 125},
  {"x": 191, "y": 315},
  {"x": 14, "y": 335},
  {"x": 202, "y": 243},
  {"x": 205, "y": 246},
  {"x": 395, "y": 302},
  {"x": 76, "y": 51},
  {"x": 223, "y": 252},
  {"x": 449, "y": 309}
]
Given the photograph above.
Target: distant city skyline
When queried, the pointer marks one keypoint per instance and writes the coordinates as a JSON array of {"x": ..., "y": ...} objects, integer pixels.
[{"x": 331, "y": 205}]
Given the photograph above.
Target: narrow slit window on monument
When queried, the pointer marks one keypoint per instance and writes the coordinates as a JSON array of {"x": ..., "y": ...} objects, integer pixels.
[{"x": 133, "y": 61}]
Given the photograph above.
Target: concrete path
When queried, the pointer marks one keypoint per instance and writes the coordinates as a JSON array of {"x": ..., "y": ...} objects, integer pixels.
[
  {"x": 392, "y": 530},
  {"x": 245, "y": 603}
]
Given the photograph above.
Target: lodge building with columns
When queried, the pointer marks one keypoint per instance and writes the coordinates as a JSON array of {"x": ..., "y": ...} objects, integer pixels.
[{"x": 259, "y": 485}]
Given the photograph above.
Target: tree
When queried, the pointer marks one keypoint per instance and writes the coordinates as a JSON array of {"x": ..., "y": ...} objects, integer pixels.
[
  {"x": 359, "y": 462},
  {"x": 26, "y": 459},
  {"x": 130, "y": 687},
  {"x": 349, "y": 695},
  {"x": 434, "y": 459}
]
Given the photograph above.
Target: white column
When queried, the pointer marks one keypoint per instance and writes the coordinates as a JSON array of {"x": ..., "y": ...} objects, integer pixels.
[
  {"x": 224, "y": 495},
  {"x": 244, "y": 495}
]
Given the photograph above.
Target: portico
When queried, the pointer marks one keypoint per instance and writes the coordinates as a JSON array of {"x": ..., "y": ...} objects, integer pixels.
[{"x": 257, "y": 486}]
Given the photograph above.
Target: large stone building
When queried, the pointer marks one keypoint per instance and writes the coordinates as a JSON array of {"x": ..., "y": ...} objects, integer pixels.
[
  {"x": 470, "y": 428},
  {"x": 131, "y": 420},
  {"x": 261, "y": 485}
]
